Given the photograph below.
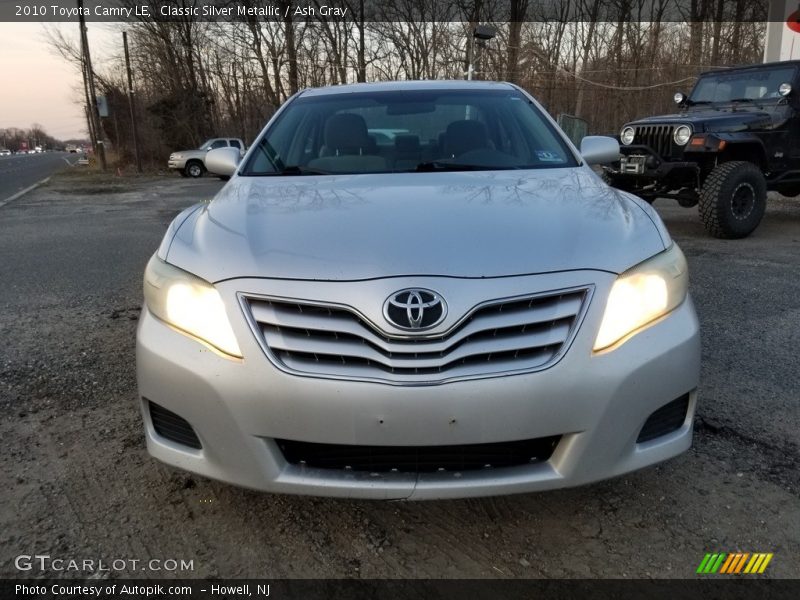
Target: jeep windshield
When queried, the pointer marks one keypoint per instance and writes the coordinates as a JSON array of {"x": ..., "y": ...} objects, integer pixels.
[
  {"x": 752, "y": 86},
  {"x": 408, "y": 131}
]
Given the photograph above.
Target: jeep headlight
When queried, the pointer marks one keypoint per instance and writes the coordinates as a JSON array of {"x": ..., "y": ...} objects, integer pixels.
[
  {"x": 643, "y": 294},
  {"x": 682, "y": 135},
  {"x": 626, "y": 135},
  {"x": 188, "y": 303}
]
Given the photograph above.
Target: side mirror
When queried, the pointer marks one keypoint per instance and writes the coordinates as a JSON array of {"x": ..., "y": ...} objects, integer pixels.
[
  {"x": 223, "y": 161},
  {"x": 599, "y": 149}
]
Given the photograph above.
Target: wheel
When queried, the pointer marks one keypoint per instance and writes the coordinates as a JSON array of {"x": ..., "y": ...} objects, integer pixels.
[
  {"x": 194, "y": 168},
  {"x": 733, "y": 199}
]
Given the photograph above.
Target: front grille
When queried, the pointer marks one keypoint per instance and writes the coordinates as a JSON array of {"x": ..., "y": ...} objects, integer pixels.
[
  {"x": 666, "y": 419},
  {"x": 658, "y": 137},
  {"x": 418, "y": 459},
  {"x": 498, "y": 337},
  {"x": 172, "y": 427}
]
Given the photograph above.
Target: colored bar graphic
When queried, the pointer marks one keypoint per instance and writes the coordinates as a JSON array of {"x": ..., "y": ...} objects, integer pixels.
[
  {"x": 764, "y": 564},
  {"x": 703, "y": 563},
  {"x": 735, "y": 563},
  {"x": 727, "y": 564}
]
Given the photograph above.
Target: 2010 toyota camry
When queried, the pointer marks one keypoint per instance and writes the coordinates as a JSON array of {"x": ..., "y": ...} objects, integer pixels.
[{"x": 416, "y": 290}]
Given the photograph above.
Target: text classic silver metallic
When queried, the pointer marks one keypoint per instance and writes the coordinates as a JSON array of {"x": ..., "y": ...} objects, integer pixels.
[{"x": 416, "y": 290}]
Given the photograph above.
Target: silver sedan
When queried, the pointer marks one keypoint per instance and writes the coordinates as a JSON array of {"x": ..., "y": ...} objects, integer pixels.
[{"x": 462, "y": 308}]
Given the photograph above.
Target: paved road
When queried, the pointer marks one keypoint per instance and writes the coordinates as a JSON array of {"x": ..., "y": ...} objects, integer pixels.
[
  {"x": 78, "y": 483},
  {"x": 19, "y": 171}
]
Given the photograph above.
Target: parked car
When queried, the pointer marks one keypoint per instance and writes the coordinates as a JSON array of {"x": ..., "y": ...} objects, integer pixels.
[
  {"x": 191, "y": 163},
  {"x": 468, "y": 312},
  {"x": 736, "y": 137},
  {"x": 5, "y": 152}
]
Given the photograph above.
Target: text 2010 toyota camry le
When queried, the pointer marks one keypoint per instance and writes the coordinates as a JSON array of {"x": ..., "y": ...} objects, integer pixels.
[{"x": 416, "y": 290}]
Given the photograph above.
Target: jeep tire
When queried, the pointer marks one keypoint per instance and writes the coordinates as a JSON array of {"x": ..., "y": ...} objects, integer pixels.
[{"x": 733, "y": 199}]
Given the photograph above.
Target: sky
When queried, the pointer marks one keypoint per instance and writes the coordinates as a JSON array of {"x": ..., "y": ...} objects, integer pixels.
[{"x": 38, "y": 86}]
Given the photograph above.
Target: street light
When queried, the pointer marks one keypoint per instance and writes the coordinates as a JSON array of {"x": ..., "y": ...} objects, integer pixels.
[{"x": 482, "y": 33}]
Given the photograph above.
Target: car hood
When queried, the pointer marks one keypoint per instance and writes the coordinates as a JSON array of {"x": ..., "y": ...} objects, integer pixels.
[
  {"x": 721, "y": 120},
  {"x": 473, "y": 224}
]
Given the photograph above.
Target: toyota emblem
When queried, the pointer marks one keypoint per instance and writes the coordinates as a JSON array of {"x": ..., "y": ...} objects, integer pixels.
[{"x": 414, "y": 309}]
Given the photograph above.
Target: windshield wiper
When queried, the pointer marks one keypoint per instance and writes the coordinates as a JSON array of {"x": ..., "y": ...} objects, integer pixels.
[
  {"x": 427, "y": 167},
  {"x": 742, "y": 100},
  {"x": 691, "y": 102},
  {"x": 298, "y": 170}
]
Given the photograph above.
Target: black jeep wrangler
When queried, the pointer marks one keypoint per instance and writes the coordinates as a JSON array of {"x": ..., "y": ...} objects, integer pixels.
[{"x": 735, "y": 137}]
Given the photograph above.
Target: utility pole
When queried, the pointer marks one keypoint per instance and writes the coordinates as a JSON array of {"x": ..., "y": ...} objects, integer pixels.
[
  {"x": 131, "y": 105},
  {"x": 100, "y": 148}
]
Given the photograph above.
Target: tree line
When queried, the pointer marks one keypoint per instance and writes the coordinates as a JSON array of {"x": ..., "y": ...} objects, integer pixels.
[
  {"x": 607, "y": 61},
  {"x": 17, "y": 138}
]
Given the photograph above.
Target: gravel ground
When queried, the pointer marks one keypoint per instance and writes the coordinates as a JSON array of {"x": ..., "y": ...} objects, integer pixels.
[{"x": 78, "y": 482}]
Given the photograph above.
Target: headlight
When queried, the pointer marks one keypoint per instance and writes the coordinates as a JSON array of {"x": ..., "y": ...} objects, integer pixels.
[
  {"x": 643, "y": 294},
  {"x": 188, "y": 303},
  {"x": 626, "y": 135},
  {"x": 175, "y": 156},
  {"x": 682, "y": 135}
]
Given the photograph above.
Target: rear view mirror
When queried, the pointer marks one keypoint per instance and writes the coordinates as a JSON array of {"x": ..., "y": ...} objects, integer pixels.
[{"x": 223, "y": 161}]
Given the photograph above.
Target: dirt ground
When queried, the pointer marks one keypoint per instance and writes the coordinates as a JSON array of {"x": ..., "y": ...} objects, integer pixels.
[{"x": 77, "y": 482}]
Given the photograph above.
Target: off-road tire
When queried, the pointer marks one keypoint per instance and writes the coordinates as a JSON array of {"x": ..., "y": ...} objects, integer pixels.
[
  {"x": 194, "y": 168},
  {"x": 733, "y": 199}
]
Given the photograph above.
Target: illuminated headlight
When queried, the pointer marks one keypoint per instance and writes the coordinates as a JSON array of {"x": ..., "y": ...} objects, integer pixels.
[
  {"x": 626, "y": 135},
  {"x": 188, "y": 303},
  {"x": 642, "y": 295},
  {"x": 682, "y": 135}
]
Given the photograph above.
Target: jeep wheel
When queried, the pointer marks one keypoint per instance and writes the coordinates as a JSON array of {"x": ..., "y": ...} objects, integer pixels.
[
  {"x": 194, "y": 169},
  {"x": 733, "y": 199}
]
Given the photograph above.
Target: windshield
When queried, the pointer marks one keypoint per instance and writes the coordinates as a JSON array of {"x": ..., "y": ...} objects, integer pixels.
[
  {"x": 407, "y": 131},
  {"x": 755, "y": 85},
  {"x": 213, "y": 144}
]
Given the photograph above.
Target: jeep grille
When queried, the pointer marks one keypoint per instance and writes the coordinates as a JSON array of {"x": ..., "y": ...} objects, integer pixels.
[{"x": 658, "y": 137}]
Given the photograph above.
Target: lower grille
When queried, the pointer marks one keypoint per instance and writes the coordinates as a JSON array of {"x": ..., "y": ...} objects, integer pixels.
[
  {"x": 418, "y": 459},
  {"x": 173, "y": 427},
  {"x": 658, "y": 137},
  {"x": 666, "y": 419}
]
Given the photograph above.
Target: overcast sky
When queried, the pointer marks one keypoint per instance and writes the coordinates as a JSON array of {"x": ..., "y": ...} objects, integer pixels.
[{"x": 38, "y": 86}]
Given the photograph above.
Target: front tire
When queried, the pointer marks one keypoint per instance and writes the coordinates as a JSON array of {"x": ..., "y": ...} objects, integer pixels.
[
  {"x": 194, "y": 169},
  {"x": 733, "y": 200}
]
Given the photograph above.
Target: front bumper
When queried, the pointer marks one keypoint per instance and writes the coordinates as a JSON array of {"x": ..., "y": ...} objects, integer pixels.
[
  {"x": 597, "y": 403},
  {"x": 176, "y": 164},
  {"x": 642, "y": 163}
]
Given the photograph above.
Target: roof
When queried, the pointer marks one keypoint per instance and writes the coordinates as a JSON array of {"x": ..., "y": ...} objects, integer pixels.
[
  {"x": 782, "y": 63},
  {"x": 391, "y": 86}
]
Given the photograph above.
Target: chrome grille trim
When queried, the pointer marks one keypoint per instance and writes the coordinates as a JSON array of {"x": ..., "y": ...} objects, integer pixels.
[
  {"x": 497, "y": 337},
  {"x": 658, "y": 137}
]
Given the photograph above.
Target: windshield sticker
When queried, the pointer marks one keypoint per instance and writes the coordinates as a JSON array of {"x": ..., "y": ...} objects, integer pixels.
[{"x": 548, "y": 156}]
